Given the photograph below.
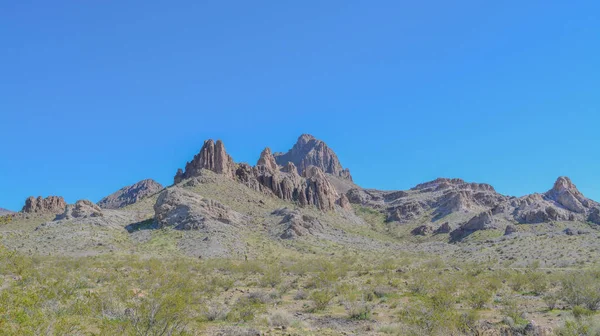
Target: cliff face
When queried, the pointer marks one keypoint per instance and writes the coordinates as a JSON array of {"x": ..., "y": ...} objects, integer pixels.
[{"x": 212, "y": 156}]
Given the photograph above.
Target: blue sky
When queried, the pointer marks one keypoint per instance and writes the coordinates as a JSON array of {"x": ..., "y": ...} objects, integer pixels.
[{"x": 96, "y": 95}]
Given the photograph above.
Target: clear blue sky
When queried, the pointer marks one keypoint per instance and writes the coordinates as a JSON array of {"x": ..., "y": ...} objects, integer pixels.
[{"x": 95, "y": 95}]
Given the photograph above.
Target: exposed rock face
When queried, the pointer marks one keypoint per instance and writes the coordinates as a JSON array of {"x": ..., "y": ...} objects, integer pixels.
[
  {"x": 319, "y": 192},
  {"x": 566, "y": 194},
  {"x": 130, "y": 194},
  {"x": 309, "y": 151},
  {"x": 344, "y": 203},
  {"x": 312, "y": 188},
  {"x": 422, "y": 230},
  {"x": 561, "y": 203},
  {"x": 185, "y": 210},
  {"x": 483, "y": 221},
  {"x": 213, "y": 157},
  {"x": 267, "y": 160},
  {"x": 444, "y": 228},
  {"x": 297, "y": 225},
  {"x": 81, "y": 209},
  {"x": 438, "y": 199},
  {"x": 48, "y": 205},
  {"x": 510, "y": 229}
]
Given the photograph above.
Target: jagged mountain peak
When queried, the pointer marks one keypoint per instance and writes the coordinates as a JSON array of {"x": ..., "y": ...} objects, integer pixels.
[
  {"x": 310, "y": 151},
  {"x": 212, "y": 156}
]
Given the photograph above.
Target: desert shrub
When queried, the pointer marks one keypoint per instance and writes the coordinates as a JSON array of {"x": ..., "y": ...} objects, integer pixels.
[
  {"x": 551, "y": 300},
  {"x": 271, "y": 277},
  {"x": 358, "y": 310},
  {"x": 513, "y": 313},
  {"x": 214, "y": 312},
  {"x": 245, "y": 309},
  {"x": 579, "y": 327},
  {"x": 477, "y": 297},
  {"x": 300, "y": 295},
  {"x": 581, "y": 289},
  {"x": 280, "y": 319},
  {"x": 579, "y": 312},
  {"x": 518, "y": 282},
  {"x": 321, "y": 299}
]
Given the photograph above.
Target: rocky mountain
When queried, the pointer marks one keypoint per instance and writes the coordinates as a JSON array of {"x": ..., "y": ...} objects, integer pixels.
[
  {"x": 309, "y": 151},
  {"x": 311, "y": 187},
  {"x": 563, "y": 203},
  {"x": 4, "y": 212},
  {"x": 443, "y": 200},
  {"x": 212, "y": 156},
  {"x": 130, "y": 194},
  {"x": 48, "y": 205}
]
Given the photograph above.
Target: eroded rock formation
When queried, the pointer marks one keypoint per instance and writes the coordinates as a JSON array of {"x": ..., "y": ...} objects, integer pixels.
[
  {"x": 309, "y": 151},
  {"x": 212, "y": 156},
  {"x": 81, "y": 209},
  {"x": 48, "y": 205}
]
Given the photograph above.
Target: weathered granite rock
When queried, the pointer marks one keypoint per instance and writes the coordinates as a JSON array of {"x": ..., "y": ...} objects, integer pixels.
[
  {"x": 48, "y": 205},
  {"x": 185, "y": 210},
  {"x": 81, "y": 209},
  {"x": 309, "y": 151},
  {"x": 130, "y": 194},
  {"x": 212, "y": 156}
]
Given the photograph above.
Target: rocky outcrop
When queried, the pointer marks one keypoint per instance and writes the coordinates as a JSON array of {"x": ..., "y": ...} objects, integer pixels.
[
  {"x": 81, "y": 209},
  {"x": 444, "y": 228},
  {"x": 566, "y": 194},
  {"x": 510, "y": 229},
  {"x": 435, "y": 200},
  {"x": 130, "y": 194},
  {"x": 48, "y": 205},
  {"x": 344, "y": 203},
  {"x": 309, "y": 151},
  {"x": 483, "y": 221},
  {"x": 267, "y": 160},
  {"x": 212, "y": 156},
  {"x": 319, "y": 192},
  {"x": 422, "y": 230},
  {"x": 295, "y": 224},
  {"x": 185, "y": 210}
]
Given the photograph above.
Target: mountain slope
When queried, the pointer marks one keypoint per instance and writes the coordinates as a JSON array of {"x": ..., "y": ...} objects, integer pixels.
[{"x": 130, "y": 194}]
